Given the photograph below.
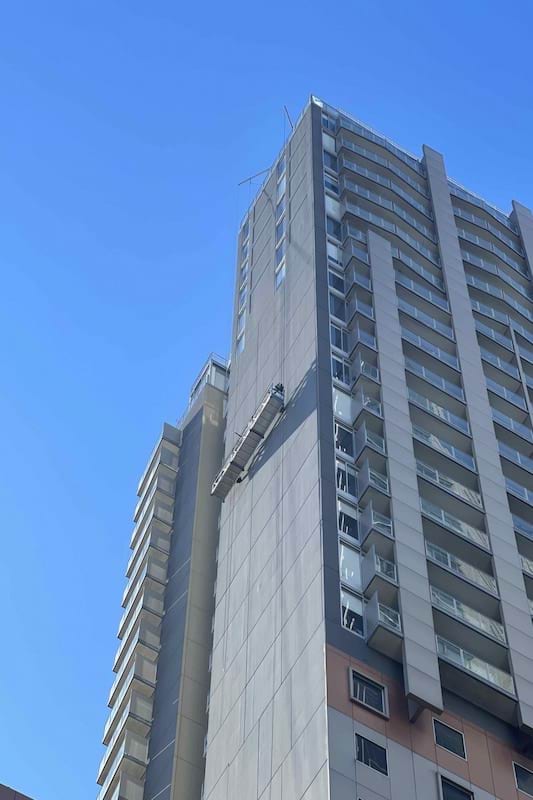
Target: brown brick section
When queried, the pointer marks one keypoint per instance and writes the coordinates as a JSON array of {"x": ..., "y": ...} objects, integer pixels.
[
  {"x": 489, "y": 763},
  {"x": 10, "y": 794}
]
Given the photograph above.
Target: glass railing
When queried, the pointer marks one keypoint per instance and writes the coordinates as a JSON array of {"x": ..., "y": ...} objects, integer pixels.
[
  {"x": 367, "y": 369},
  {"x": 385, "y": 567},
  {"x": 459, "y": 191},
  {"x": 461, "y": 568},
  {"x": 454, "y": 524},
  {"x": 490, "y": 333},
  {"x": 489, "y": 266},
  {"x": 438, "y": 411},
  {"x": 391, "y": 227},
  {"x": 357, "y": 305},
  {"x": 370, "y": 403},
  {"x": 481, "y": 242},
  {"x": 364, "y": 437},
  {"x": 515, "y": 456},
  {"x": 418, "y": 268},
  {"x": 523, "y": 527},
  {"x": 495, "y": 291},
  {"x": 507, "y": 394},
  {"x": 444, "y": 447},
  {"x": 446, "y": 602},
  {"x": 421, "y": 291},
  {"x": 530, "y": 606},
  {"x": 483, "y": 223},
  {"x": 434, "y": 379},
  {"x": 526, "y": 353},
  {"x": 389, "y": 617},
  {"x": 505, "y": 366},
  {"x": 449, "y": 484},
  {"x": 382, "y": 181},
  {"x": 519, "y": 490},
  {"x": 512, "y": 424},
  {"x": 370, "y": 155},
  {"x": 360, "y": 335},
  {"x": 425, "y": 319},
  {"x": 489, "y": 311},
  {"x": 429, "y": 347},
  {"x": 389, "y": 205},
  {"x": 149, "y": 600},
  {"x": 132, "y": 747},
  {"x": 374, "y": 520},
  {"x": 462, "y": 658}
]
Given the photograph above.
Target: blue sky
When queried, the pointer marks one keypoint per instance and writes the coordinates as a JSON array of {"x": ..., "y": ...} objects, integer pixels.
[{"x": 126, "y": 127}]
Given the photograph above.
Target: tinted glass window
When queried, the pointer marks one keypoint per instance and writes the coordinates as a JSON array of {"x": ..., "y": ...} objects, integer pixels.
[
  {"x": 352, "y": 612},
  {"x": 334, "y": 227},
  {"x": 524, "y": 779},
  {"x": 450, "y": 791},
  {"x": 449, "y": 738},
  {"x": 343, "y": 439},
  {"x": 368, "y": 692}
]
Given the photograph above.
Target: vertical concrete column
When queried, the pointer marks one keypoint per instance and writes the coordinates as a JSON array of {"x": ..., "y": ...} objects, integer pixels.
[
  {"x": 514, "y": 602},
  {"x": 420, "y": 661}
]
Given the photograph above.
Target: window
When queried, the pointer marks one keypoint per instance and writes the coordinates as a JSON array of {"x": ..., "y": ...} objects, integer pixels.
[
  {"x": 240, "y": 322},
  {"x": 240, "y": 344},
  {"x": 242, "y": 297},
  {"x": 334, "y": 253},
  {"x": 245, "y": 230},
  {"x": 330, "y": 161},
  {"x": 279, "y": 277},
  {"x": 524, "y": 779},
  {"x": 449, "y": 738},
  {"x": 347, "y": 520},
  {"x": 352, "y": 613},
  {"x": 280, "y": 169},
  {"x": 451, "y": 791},
  {"x": 244, "y": 271},
  {"x": 337, "y": 306},
  {"x": 336, "y": 281},
  {"x": 333, "y": 227},
  {"x": 339, "y": 337},
  {"x": 350, "y": 567},
  {"x": 280, "y": 230},
  {"x": 280, "y": 253},
  {"x": 343, "y": 439},
  {"x": 340, "y": 370},
  {"x": 331, "y": 184},
  {"x": 280, "y": 191},
  {"x": 328, "y": 123},
  {"x": 368, "y": 693},
  {"x": 346, "y": 478},
  {"x": 280, "y": 208},
  {"x": 371, "y": 754}
]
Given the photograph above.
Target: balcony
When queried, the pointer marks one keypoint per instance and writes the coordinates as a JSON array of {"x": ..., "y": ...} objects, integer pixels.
[
  {"x": 383, "y": 628},
  {"x": 132, "y": 688},
  {"x": 137, "y": 673},
  {"x": 447, "y": 483},
  {"x": 366, "y": 402},
  {"x": 152, "y": 518},
  {"x": 369, "y": 478},
  {"x": 363, "y": 368},
  {"x": 452, "y": 523},
  {"x": 476, "y": 680},
  {"x": 379, "y": 574},
  {"x": 165, "y": 452},
  {"x": 438, "y": 411},
  {"x": 527, "y": 565},
  {"x": 512, "y": 425},
  {"x": 507, "y": 394},
  {"x": 131, "y": 758},
  {"x": 136, "y": 717},
  {"x": 470, "y": 616},
  {"x": 519, "y": 491},
  {"x": 433, "y": 378},
  {"x": 128, "y": 789},
  {"x": 426, "y": 319},
  {"x": 144, "y": 631},
  {"x": 445, "y": 447},
  {"x": 515, "y": 456},
  {"x": 150, "y": 557},
  {"x": 428, "y": 347},
  {"x": 375, "y": 529},
  {"x": 358, "y": 306},
  {"x": 523, "y": 527},
  {"x": 365, "y": 437},
  {"x": 498, "y": 362},
  {"x": 145, "y": 600},
  {"x": 461, "y": 568}
]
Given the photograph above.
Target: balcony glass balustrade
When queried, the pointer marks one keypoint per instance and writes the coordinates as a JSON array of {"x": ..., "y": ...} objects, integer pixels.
[
  {"x": 425, "y": 319},
  {"x": 487, "y": 245},
  {"x": 515, "y": 456},
  {"x": 373, "y": 520},
  {"x": 446, "y": 602},
  {"x": 507, "y": 394},
  {"x": 523, "y": 527},
  {"x": 382, "y": 181},
  {"x": 361, "y": 367},
  {"x": 445, "y": 482},
  {"x": 369, "y": 403},
  {"x": 519, "y": 491},
  {"x": 438, "y": 411},
  {"x": 421, "y": 291},
  {"x": 527, "y": 564},
  {"x": 432, "y": 377},
  {"x": 385, "y": 567},
  {"x": 496, "y": 361},
  {"x": 132, "y": 748},
  {"x": 490, "y": 267},
  {"x": 512, "y": 425},
  {"x": 461, "y": 568},
  {"x": 389, "y": 617},
  {"x": 418, "y": 268},
  {"x": 454, "y": 524},
  {"x": 444, "y": 447},
  {"x": 475, "y": 665},
  {"x": 429, "y": 347},
  {"x": 365, "y": 437}
]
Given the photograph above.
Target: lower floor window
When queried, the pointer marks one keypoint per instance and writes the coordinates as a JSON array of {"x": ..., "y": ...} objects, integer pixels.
[
  {"x": 352, "y": 612},
  {"x": 451, "y": 791},
  {"x": 371, "y": 754},
  {"x": 524, "y": 779}
]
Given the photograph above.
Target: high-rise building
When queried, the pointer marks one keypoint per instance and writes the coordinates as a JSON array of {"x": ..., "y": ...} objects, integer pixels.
[
  {"x": 6, "y": 793},
  {"x": 373, "y": 635},
  {"x": 157, "y": 724}
]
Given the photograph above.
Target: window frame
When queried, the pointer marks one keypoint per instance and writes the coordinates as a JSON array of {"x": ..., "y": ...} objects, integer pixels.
[
  {"x": 384, "y": 692},
  {"x": 350, "y": 592},
  {"x": 365, "y": 739},
  {"x": 455, "y": 730},
  {"x": 444, "y": 779},
  {"x": 515, "y": 765}
]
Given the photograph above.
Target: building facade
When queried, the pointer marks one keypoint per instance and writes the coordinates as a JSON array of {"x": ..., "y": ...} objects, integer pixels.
[
  {"x": 373, "y": 635},
  {"x": 157, "y": 723},
  {"x": 370, "y": 509}
]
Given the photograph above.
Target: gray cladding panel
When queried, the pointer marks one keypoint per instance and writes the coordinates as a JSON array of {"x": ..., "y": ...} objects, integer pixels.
[
  {"x": 420, "y": 662},
  {"x": 514, "y": 601}
]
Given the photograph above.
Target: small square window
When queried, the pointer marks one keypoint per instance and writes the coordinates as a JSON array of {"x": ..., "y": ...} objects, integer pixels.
[
  {"x": 352, "y": 613},
  {"x": 371, "y": 754},
  {"x": 367, "y": 692},
  {"x": 451, "y": 791},
  {"x": 524, "y": 779},
  {"x": 449, "y": 738}
]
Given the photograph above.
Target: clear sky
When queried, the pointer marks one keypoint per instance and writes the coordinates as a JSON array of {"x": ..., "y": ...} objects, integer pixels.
[{"x": 125, "y": 129}]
